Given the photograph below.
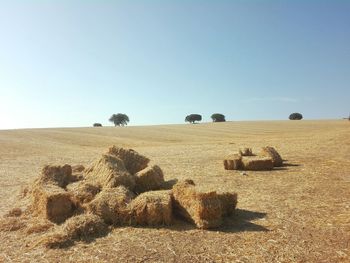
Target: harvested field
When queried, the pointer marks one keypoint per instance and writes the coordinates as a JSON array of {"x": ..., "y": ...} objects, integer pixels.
[{"x": 296, "y": 213}]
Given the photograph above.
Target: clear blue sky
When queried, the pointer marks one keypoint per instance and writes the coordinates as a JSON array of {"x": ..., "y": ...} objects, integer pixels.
[{"x": 73, "y": 63}]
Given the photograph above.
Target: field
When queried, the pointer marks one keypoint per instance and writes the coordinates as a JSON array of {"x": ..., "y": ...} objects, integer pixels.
[{"x": 298, "y": 213}]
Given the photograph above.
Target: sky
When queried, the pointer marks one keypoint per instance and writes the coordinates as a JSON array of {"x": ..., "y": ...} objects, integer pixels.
[{"x": 74, "y": 63}]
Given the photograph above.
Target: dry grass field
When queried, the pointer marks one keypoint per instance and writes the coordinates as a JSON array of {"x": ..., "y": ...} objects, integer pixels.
[{"x": 297, "y": 213}]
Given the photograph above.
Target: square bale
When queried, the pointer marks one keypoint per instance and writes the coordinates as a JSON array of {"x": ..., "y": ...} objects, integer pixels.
[
  {"x": 233, "y": 162},
  {"x": 109, "y": 171},
  {"x": 52, "y": 202},
  {"x": 152, "y": 208},
  {"x": 257, "y": 163},
  {"x": 84, "y": 226},
  {"x": 273, "y": 154},
  {"x": 149, "y": 179},
  {"x": 203, "y": 209},
  {"x": 134, "y": 162},
  {"x": 83, "y": 192},
  {"x": 111, "y": 205},
  {"x": 228, "y": 202},
  {"x": 55, "y": 174}
]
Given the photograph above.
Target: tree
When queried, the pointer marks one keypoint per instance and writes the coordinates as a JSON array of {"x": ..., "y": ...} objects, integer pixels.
[
  {"x": 295, "y": 116},
  {"x": 119, "y": 119},
  {"x": 193, "y": 118},
  {"x": 218, "y": 117},
  {"x": 97, "y": 124}
]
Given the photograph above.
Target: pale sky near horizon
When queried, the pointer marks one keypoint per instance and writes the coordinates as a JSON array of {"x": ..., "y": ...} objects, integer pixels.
[{"x": 73, "y": 63}]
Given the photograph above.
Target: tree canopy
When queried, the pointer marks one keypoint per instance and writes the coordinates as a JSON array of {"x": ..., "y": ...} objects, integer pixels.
[
  {"x": 218, "y": 117},
  {"x": 295, "y": 116},
  {"x": 119, "y": 119},
  {"x": 192, "y": 118},
  {"x": 97, "y": 124}
]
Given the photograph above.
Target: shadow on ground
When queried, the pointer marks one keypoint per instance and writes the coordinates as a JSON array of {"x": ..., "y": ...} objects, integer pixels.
[{"x": 238, "y": 222}]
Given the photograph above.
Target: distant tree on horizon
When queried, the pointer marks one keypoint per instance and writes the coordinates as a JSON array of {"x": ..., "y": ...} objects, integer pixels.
[
  {"x": 295, "y": 116},
  {"x": 192, "y": 118},
  {"x": 96, "y": 124},
  {"x": 218, "y": 117},
  {"x": 119, "y": 119}
]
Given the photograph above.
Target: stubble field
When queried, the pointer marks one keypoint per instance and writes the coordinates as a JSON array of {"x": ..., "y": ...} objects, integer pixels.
[{"x": 298, "y": 213}]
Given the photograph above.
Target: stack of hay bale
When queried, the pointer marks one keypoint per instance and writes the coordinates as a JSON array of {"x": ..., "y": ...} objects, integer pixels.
[
  {"x": 246, "y": 160},
  {"x": 120, "y": 188}
]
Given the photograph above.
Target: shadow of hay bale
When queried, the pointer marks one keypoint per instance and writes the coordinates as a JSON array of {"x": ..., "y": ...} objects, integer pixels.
[{"x": 240, "y": 222}]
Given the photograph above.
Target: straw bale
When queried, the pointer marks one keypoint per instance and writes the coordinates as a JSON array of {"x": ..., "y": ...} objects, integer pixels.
[
  {"x": 84, "y": 226},
  {"x": 149, "y": 179},
  {"x": 246, "y": 152},
  {"x": 273, "y": 154},
  {"x": 52, "y": 202},
  {"x": 203, "y": 209},
  {"x": 228, "y": 203},
  {"x": 233, "y": 162},
  {"x": 55, "y": 174},
  {"x": 111, "y": 204},
  {"x": 152, "y": 208},
  {"x": 134, "y": 162},
  {"x": 110, "y": 171},
  {"x": 83, "y": 192},
  {"x": 257, "y": 163}
]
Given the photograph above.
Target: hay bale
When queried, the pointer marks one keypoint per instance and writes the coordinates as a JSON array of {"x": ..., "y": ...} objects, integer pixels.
[
  {"x": 149, "y": 179},
  {"x": 111, "y": 205},
  {"x": 55, "y": 175},
  {"x": 84, "y": 226},
  {"x": 233, "y": 162},
  {"x": 52, "y": 202},
  {"x": 273, "y": 154},
  {"x": 152, "y": 208},
  {"x": 83, "y": 192},
  {"x": 246, "y": 152},
  {"x": 110, "y": 171},
  {"x": 228, "y": 203},
  {"x": 134, "y": 162},
  {"x": 257, "y": 163},
  {"x": 202, "y": 209}
]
